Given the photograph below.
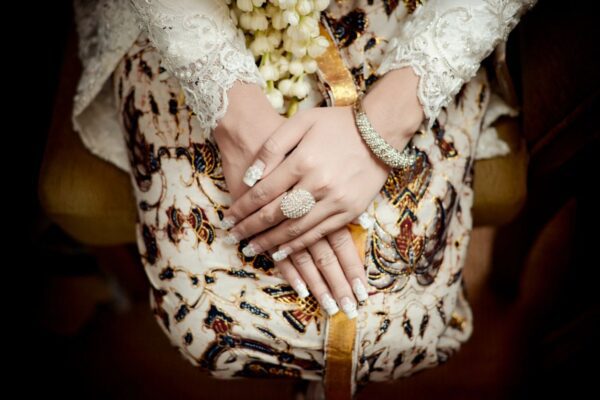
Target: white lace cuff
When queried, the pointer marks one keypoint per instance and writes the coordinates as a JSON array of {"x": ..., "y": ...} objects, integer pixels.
[
  {"x": 200, "y": 45},
  {"x": 444, "y": 41}
]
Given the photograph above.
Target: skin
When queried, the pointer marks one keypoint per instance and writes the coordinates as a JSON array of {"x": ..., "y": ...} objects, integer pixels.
[{"x": 323, "y": 254}]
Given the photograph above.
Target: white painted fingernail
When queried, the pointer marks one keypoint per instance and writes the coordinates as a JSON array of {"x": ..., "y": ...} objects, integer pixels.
[
  {"x": 359, "y": 289},
  {"x": 282, "y": 253},
  {"x": 231, "y": 238},
  {"x": 365, "y": 220},
  {"x": 254, "y": 173},
  {"x": 227, "y": 223},
  {"x": 251, "y": 250},
  {"x": 349, "y": 307},
  {"x": 300, "y": 288},
  {"x": 329, "y": 304}
]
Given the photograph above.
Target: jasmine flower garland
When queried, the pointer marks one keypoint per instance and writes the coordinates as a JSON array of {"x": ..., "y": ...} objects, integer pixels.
[{"x": 283, "y": 36}]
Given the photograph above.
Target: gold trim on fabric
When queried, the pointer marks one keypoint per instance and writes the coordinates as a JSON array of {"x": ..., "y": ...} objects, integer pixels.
[
  {"x": 333, "y": 72},
  {"x": 341, "y": 334},
  {"x": 340, "y": 340}
]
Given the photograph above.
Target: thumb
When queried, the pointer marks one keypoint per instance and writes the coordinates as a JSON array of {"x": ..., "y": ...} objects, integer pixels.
[{"x": 277, "y": 146}]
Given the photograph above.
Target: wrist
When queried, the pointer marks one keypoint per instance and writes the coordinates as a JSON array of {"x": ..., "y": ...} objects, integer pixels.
[
  {"x": 393, "y": 107},
  {"x": 247, "y": 107}
]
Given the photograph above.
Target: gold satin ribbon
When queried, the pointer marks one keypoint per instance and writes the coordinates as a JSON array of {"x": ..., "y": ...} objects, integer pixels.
[
  {"x": 341, "y": 335},
  {"x": 332, "y": 71},
  {"x": 338, "y": 81}
]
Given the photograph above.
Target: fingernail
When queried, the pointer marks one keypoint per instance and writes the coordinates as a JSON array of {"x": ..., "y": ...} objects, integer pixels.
[
  {"x": 359, "y": 289},
  {"x": 329, "y": 304},
  {"x": 300, "y": 288},
  {"x": 365, "y": 220},
  {"x": 232, "y": 238},
  {"x": 227, "y": 222},
  {"x": 254, "y": 173},
  {"x": 282, "y": 253},
  {"x": 349, "y": 307},
  {"x": 251, "y": 250}
]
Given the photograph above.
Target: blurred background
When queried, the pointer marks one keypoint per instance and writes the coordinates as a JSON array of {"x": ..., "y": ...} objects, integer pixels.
[{"x": 531, "y": 273}]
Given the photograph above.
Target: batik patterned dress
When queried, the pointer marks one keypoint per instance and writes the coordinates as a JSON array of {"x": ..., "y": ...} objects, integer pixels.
[{"x": 235, "y": 316}]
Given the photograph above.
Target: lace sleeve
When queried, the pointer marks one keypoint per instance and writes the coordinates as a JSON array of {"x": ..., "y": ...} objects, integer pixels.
[
  {"x": 444, "y": 41},
  {"x": 201, "y": 46}
]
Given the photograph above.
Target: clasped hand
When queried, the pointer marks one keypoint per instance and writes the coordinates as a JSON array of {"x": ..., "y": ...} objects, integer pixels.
[{"x": 319, "y": 150}]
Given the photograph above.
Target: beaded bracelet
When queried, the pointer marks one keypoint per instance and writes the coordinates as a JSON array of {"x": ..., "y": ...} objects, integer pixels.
[{"x": 378, "y": 145}]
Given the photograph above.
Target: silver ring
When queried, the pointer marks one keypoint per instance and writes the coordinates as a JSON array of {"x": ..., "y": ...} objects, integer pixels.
[{"x": 297, "y": 203}]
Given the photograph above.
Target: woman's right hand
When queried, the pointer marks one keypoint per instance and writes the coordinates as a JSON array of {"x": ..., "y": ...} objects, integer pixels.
[{"x": 331, "y": 266}]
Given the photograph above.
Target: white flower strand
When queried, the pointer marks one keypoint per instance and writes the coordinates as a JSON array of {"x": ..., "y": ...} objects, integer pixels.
[{"x": 284, "y": 36}]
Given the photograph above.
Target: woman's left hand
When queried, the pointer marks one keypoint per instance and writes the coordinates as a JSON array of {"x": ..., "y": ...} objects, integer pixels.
[{"x": 331, "y": 161}]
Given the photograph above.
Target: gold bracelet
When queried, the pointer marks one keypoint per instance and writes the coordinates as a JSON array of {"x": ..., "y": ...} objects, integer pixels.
[{"x": 378, "y": 145}]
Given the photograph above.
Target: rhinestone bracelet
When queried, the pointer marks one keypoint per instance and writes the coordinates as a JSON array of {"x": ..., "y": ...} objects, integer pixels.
[{"x": 382, "y": 149}]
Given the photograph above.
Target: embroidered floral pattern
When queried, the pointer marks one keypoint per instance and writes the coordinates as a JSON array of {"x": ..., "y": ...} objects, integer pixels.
[
  {"x": 445, "y": 42},
  {"x": 202, "y": 47}
]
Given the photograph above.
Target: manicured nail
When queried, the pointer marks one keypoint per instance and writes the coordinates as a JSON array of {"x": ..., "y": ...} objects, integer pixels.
[
  {"x": 300, "y": 288},
  {"x": 227, "y": 222},
  {"x": 365, "y": 220},
  {"x": 251, "y": 250},
  {"x": 359, "y": 289},
  {"x": 232, "y": 238},
  {"x": 254, "y": 173},
  {"x": 282, "y": 253},
  {"x": 329, "y": 304},
  {"x": 349, "y": 307}
]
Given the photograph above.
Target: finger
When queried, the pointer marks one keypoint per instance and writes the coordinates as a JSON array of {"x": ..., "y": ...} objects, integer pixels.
[
  {"x": 267, "y": 217},
  {"x": 304, "y": 263},
  {"x": 342, "y": 243},
  {"x": 288, "y": 229},
  {"x": 317, "y": 232},
  {"x": 291, "y": 274},
  {"x": 280, "y": 180},
  {"x": 327, "y": 262},
  {"x": 273, "y": 151}
]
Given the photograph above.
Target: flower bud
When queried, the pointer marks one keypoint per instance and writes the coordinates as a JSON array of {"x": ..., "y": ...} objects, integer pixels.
[
  {"x": 244, "y": 5},
  {"x": 296, "y": 67},
  {"x": 300, "y": 88},
  {"x": 285, "y": 86},
  {"x": 275, "y": 98},
  {"x": 291, "y": 17},
  {"x": 304, "y": 7}
]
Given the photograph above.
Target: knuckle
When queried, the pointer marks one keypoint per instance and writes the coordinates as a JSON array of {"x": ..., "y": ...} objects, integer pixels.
[
  {"x": 325, "y": 259},
  {"x": 271, "y": 147},
  {"x": 318, "y": 234},
  {"x": 258, "y": 194},
  {"x": 309, "y": 162},
  {"x": 324, "y": 184},
  {"x": 356, "y": 208},
  {"x": 266, "y": 216},
  {"x": 293, "y": 230},
  {"x": 302, "y": 259},
  {"x": 298, "y": 170},
  {"x": 339, "y": 195},
  {"x": 339, "y": 241}
]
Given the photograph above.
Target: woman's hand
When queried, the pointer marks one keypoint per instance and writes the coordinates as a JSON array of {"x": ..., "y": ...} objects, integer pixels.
[
  {"x": 239, "y": 135},
  {"x": 249, "y": 121},
  {"x": 331, "y": 161},
  {"x": 320, "y": 266}
]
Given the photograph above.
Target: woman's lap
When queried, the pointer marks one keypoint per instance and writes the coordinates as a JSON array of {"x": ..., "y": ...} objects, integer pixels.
[{"x": 235, "y": 316}]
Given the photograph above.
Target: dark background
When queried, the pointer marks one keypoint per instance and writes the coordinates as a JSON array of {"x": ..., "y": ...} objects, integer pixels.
[{"x": 83, "y": 333}]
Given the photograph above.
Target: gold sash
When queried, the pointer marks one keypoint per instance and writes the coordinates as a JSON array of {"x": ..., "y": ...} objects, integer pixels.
[{"x": 341, "y": 334}]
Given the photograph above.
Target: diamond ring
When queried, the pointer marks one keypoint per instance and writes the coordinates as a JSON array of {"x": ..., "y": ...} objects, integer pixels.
[{"x": 297, "y": 203}]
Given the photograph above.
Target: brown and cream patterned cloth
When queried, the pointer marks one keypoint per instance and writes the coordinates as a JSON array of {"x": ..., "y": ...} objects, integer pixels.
[{"x": 235, "y": 316}]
